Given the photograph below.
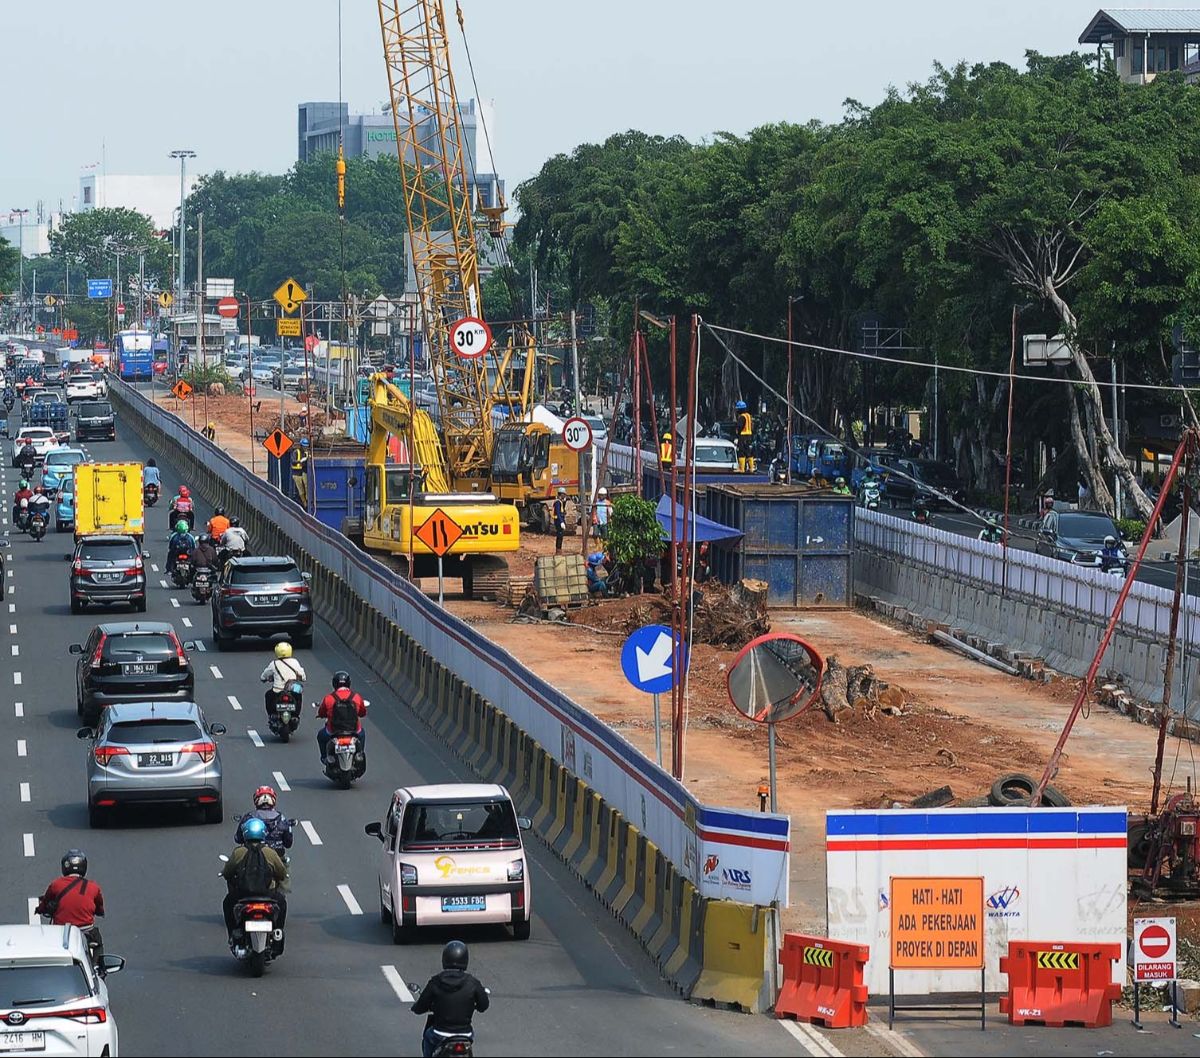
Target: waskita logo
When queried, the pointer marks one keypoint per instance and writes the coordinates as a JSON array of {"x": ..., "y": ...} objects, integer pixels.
[{"x": 1001, "y": 903}]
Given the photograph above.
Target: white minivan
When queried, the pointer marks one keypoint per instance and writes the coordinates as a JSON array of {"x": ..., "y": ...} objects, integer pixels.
[
  {"x": 452, "y": 855},
  {"x": 51, "y": 999}
]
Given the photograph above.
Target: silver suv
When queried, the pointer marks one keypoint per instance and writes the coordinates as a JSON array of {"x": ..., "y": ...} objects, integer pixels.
[{"x": 153, "y": 752}]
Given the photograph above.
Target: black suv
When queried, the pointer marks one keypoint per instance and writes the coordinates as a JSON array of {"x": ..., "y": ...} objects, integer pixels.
[
  {"x": 262, "y": 596},
  {"x": 94, "y": 420},
  {"x": 130, "y": 661},
  {"x": 107, "y": 569},
  {"x": 919, "y": 480}
]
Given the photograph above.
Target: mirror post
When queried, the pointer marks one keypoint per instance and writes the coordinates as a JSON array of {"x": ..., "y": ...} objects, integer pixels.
[
  {"x": 657, "y": 732},
  {"x": 771, "y": 761}
]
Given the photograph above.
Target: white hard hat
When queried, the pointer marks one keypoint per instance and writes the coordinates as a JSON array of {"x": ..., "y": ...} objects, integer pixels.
[{"x": 603, "y": 492}]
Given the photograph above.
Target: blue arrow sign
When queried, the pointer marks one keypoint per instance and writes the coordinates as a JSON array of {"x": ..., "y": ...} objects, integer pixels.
[
  {"x": 647, "y": 659},
  {"x": 99, "y": 288}
]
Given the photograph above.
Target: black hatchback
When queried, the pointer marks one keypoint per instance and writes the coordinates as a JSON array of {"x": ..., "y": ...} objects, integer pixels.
[
  {"x": 262, "y": 596},
  {"x": 131, "y": 661}
]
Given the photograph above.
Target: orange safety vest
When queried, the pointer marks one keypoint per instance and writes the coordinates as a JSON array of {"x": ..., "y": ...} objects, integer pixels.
[
  {"x": 666, "y": 451},
  {"x": 745, "y": 424}
]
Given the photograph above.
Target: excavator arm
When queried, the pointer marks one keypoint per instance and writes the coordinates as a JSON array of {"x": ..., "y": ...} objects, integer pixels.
[{"x": 392, "y": 414}]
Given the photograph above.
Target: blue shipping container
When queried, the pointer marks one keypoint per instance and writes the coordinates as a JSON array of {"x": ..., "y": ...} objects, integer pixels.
[
  {"x": 798, "y": 540},
  {"x": 338, "y": 489}
]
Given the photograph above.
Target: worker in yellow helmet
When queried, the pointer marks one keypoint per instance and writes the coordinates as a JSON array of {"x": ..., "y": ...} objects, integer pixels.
[
  {"x": 666, "y": 451},
  {"x": 745, "y": 437}
]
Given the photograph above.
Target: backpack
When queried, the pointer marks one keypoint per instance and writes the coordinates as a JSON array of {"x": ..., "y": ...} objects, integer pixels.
[
  {"x": 343, "y": 717},
  {"x": 254, "y": 875}
]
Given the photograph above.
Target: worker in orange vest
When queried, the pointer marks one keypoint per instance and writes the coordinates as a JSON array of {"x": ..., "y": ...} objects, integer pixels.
[
  {"x": 666, "y": 451},
  {"x": 745, "y": 437}
]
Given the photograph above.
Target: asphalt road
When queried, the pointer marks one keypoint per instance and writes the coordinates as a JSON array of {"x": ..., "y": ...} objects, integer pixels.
[{"x": 580, "y": 985}]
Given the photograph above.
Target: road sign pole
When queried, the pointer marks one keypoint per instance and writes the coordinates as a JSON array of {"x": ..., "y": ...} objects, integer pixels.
[
  {"x": 771, "y": 762},
  {"x": 657, "y": 732},
  {"x": 441, "y": 582}
]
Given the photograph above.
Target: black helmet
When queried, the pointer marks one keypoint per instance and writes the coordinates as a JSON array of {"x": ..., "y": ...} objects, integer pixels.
[
  {"x": 455, "y": 956},
  {"x": 219, "y": 511},
  {"x": 74, "y": 862},
  {"x": 341, "y": 678},
  {"x": 235, "y": 520}
]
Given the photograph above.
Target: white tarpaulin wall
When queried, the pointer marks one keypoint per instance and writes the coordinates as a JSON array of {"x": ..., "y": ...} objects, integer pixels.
[{"x": 1048, "y": 875}]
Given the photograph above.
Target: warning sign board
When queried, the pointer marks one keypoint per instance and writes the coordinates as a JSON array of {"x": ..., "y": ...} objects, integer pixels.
[
  {"x": 937, "y": 923},
  {"x": 285, "y": 328},
  {"x": 814, "y": 956},
  {"x": 439, "y": 532},
  {"x": 1154, "y": 957},
  {"x": 289, "y": 295},
  {"x": 1058, "y": 960},
  {"x": 182, "y": 389},
  {"x": 277, "y": 443}
]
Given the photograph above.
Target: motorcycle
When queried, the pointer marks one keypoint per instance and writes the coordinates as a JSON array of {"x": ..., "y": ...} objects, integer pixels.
[
  {"x": 202, "y": 584},
  {"x": 150, "y": 494},
  {"x": 869, "y": 495},
  {"x": 37, "y": 526},
  {"x": 182, "y": 573},
  {"x": 345, "y": 758},
  {"x": 9, "y": 401},
  {"x": 21, "y": 521},
  {"x": 256, "y": 940},
  {"x": 28, "y": 466},
  {"x": 1118, "y": 565},
  {"x": 450, "y": 1044},
  {"x": 188, "y": 516},
  {"x": 285, "y": 718}
]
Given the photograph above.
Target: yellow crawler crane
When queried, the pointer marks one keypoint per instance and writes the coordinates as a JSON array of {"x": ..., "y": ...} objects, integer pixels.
[{"x": 400, "y": 498}]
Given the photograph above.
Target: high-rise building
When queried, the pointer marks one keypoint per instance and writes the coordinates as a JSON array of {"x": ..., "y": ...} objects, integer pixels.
[
  {"x": 374, "y": 135},
  {"x": 156, "y": 196}
]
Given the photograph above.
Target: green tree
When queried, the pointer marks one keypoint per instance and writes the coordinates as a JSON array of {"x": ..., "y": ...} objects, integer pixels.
[{"x": 9, "y": 265}]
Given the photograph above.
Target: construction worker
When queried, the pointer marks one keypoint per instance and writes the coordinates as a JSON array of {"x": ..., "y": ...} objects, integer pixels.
[
  {"x": 745, "y": 437},
  {"x": 300, "y": 472},
  {"x": 840, "y": 487},
  {"x": 210, "y": 431},
  {"x": 559, "y": 518},
  {"x": 666, "y": 451}
]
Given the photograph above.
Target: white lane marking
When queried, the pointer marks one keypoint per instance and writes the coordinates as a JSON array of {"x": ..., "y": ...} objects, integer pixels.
[
  {"x": 280, "y": 781},
  {"x": 16, "y": 650},
  {"x": 311, "y": 831},
  {"x": 199, "y": 642},
  {"x": 233, "y": 701},
  {"x": 16, "y": 676},
  {"x": 22, "y": 749},
  {"x": 348, "y": 897},
  {"x": 216, "y": 672},
  {"x": 19, "y": 708},
  {"x": 255, "y": 737},
  {"x": 392, "y": 976},
  {"x": 25, "y": 792},
  {"x": 12, "y": 607},
  {"x": 187, "y": 622},
  {"x": 153, "y": 567},
  {"x": 895, "y": 1039},
  {"x": 164, "y": 583},
  {"x": 34, "y": 918},
  {"x": 175, "y": 602},
  {"x": 810, "y": 1039},
  {"x": 28, "y": 840},
  {"x": 12, "y": 629},
  {"x": 11, "y": 589},
  {"x": 10, "y": 572}
]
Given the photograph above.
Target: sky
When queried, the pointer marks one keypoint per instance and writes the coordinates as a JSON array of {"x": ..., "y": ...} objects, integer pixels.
[{"x": 123, "y": 82}]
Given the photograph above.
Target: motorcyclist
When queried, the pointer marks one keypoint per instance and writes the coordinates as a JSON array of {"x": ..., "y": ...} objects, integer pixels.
[
  {"x": 181, "y": 543},
  {"x": 450, "y": 998},
  {"x": 342, "y": 710},
  {"x": 279, "y": 827},
  {"x": 991, "y": 532},
  {"x": 235, "y": 539},
  {"x": 23, "y": 494},
  {"x": 182, "y": 505},
  {"x": 74, "y": 899},
  {"x": 39, "y": 503},
  {"x": 151, "y": 474},
  {"x": 1111, "y": 554},
  {"x": 283, "y": 669},
  {"x": 840, "y": 487},
  {"x": 28, "y": 455},
  {"x": 217, "y": 524},
  {"x": 204, "y": 554},
  {"x": 247, "y": 875}
]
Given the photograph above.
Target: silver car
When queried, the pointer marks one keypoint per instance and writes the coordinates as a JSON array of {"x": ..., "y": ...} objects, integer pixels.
[{"x": 153, "y": 752}]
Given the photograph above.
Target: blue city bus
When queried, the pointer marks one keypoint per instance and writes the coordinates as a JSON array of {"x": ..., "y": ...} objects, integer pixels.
[{"x": 135, "y": 354}]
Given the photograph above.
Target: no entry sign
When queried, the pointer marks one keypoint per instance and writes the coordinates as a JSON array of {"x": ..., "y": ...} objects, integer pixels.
[{"x": 1154, "y": 949}]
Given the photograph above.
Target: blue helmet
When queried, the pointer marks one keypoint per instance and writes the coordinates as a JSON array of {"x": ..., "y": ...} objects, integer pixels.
[
  {"x": 741, "y": 405},
  {"x": 303, "y": 442},
  {"x": 254, "y": 829}
]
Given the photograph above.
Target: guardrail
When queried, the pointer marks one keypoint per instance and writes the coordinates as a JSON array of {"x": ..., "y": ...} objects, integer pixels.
[
  {"x": 726, "y": 853},
  {"x": 1036, "y": 578}
]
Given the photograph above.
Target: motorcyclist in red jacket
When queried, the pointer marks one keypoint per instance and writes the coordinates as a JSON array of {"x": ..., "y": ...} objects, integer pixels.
[
  {"x": 342, "y": 710},
  {"x": 75, "y": 900}
]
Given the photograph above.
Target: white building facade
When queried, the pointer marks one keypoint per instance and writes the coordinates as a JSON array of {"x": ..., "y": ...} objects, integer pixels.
[{"x": 156, "y": 196}]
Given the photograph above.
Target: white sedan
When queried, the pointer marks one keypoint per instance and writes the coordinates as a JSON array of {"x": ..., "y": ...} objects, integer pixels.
[{"x": 41, "y": 437}]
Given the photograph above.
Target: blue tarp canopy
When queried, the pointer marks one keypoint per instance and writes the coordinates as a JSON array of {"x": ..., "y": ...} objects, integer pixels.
[{"x": 702, "y": 530}]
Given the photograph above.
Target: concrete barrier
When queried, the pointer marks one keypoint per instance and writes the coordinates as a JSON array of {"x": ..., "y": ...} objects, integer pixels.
[{"x": 686, "y": 934}]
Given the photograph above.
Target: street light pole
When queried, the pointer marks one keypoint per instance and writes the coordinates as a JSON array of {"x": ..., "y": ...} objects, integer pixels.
[
  {"x": 183, "y": 155},
  {"x": 20, "y": 266}
]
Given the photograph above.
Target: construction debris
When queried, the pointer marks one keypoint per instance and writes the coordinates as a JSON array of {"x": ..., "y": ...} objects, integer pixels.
[{"x": 723, "y": 616}]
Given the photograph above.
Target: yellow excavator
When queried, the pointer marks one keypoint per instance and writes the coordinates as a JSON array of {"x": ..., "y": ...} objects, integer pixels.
[{"x": 402, "y": 498}]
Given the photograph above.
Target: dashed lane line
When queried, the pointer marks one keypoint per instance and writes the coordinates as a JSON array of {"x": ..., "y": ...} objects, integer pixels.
[
  {"x": 12, "y": 629},
  {"x": 255, "y": 737},
  {"x": 216, "y": 672},
  {"x": 22, "y": 749},
  {"x": 25, "y": 792},
  {"x": 311, "y": 832},
  {"x": 17, "y": 677},
  {"x": 153, "y": 567},
  {"x": 164, "y": 584},
  {"x": 234, "y": 702},
  {"x": 187, "y": 622},
  {"x": 28, "y": 842},
  {"x": 280, "y": 781},
  {"x": 352, "y": 905},
  {"x": 175, "y": 602},
  {"x": 392, "y": 976},
  {"x": 199, "y": 643},
  {"x": 16, "y": 650},
  {"x": 19, "y": 708}
]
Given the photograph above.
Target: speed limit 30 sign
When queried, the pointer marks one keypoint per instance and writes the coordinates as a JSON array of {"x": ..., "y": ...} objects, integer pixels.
[
  {"x": 577, "y": 434},
  {"x": 470, "y": 337}
]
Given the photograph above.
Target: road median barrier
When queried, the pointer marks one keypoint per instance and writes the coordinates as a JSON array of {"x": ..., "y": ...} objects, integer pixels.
[
  {"x": 713, "y": 950},
  {"x": 822, "y": 981},
  {"x": 1056, "y": 985}
]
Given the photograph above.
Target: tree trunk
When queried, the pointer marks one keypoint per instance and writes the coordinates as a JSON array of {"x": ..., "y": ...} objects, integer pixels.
[
  {"x": 1087, "y": 465},
  {"x": 1091, "y": 393}
]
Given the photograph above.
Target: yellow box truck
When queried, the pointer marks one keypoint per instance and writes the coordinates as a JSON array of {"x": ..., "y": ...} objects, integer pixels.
[{"x": 108, "y": 499}]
